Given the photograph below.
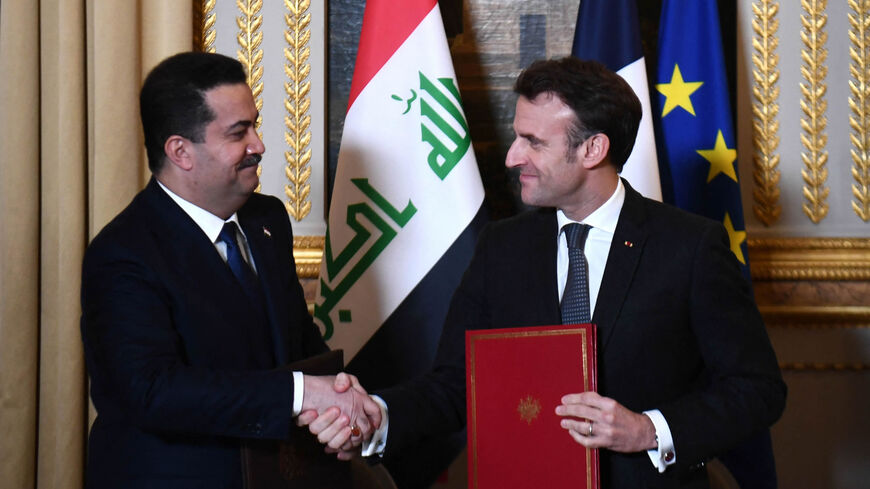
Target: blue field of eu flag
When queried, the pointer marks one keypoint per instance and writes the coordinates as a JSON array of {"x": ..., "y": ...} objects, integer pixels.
[
  {"x": 697, "y": 149},
  {"x": 698, "y": 161}
]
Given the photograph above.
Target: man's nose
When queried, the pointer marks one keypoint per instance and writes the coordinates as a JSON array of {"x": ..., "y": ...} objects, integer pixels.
[
  {"x": 256, "y": 145},
  {"x": 513, "y": 156}
]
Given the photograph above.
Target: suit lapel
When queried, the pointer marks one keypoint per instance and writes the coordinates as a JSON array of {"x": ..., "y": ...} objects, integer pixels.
[
  {"x": 625, "y": 252},
  {"x": 527, "y": 267},
  {"x": 258, "y": 233},
  {"x": 544, "y": 244},
  {"x": 185, "y": 240}
]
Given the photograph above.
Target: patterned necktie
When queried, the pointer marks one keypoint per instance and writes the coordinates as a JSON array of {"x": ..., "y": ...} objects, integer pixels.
[
  {"x": 241, "y": 269},
  {"x": 575, "y": 298}
]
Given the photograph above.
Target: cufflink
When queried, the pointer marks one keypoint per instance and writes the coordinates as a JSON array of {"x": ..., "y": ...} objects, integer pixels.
[{"x": 669, "y": 457}]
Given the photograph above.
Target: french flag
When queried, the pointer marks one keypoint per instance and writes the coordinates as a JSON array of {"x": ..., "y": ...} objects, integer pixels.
[{"x": 608, "y": 32}]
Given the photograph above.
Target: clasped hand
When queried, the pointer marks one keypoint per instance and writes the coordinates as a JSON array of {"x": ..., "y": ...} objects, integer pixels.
[{"x": 339, "y": 412}]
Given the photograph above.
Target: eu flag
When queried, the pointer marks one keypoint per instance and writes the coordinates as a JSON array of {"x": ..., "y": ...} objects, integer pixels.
[
  {"x": 697, "y": 149},
  {"x": 698, "y": 160}
]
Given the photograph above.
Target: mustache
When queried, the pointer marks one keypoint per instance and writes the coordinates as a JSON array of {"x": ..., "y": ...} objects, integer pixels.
[{"x": 251, "y": 160}]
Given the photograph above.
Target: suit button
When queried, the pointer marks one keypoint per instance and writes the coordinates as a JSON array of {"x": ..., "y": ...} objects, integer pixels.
[{"x": 669, "y": 457}]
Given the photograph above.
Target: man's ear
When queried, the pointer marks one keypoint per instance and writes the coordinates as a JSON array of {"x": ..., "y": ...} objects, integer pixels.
[
  {"x": 178, "y": 151},
  {"x": 594, "y": 150}
]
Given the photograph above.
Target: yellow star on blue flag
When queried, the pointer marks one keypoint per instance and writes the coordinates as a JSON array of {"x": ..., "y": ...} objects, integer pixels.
[
  {"x": 678, "y": 93},
  {"x": 721, "y": 159},
  {"x": 736, "y": 238}
]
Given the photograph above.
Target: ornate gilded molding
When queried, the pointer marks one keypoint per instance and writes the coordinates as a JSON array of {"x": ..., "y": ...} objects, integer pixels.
[
  {"x": 821, "y": 318},
  {"x": 204, "y": 18},
  {"x": 816, "y": 317},
  {"x": 297, "y": 103},
  {"x": 859, "y": 102},
  {"x": 824, "y": 367},
  {"x": 765, "y": 109},
  {"x": 810, "y": 258},
  {"x": 308, "y": 253},
  {"x": 251, "y": 56},
  {"x": 813, "y": 104}
]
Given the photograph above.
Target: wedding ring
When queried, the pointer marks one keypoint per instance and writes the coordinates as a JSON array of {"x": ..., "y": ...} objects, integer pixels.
[{"x": 590, "y": 430}]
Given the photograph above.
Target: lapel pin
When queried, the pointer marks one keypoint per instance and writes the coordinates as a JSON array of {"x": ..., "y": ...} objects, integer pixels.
[
  {"x": 629, "y": 244},
  {"x": 266, "y": 232}
]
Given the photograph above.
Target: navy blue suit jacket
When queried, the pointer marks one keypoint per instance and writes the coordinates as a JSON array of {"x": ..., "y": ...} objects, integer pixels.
[
  {"x": 679, "y": 331},
  {"x": 180, "y": 368}
]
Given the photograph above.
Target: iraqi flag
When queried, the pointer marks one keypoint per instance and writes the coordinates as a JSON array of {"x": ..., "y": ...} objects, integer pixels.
[
  {"x": 407, "y": 200},
  {"x": 608, "y": 32}
]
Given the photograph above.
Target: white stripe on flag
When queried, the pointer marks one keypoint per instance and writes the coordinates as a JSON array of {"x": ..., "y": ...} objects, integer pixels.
[{"x": 642, "y": 169}]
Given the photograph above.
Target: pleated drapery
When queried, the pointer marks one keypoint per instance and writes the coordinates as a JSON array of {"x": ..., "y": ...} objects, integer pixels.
[{"x": 72, "y": 158}]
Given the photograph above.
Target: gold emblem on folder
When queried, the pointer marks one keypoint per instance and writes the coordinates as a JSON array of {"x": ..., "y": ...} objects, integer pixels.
[{"x": 529, "y": 409}]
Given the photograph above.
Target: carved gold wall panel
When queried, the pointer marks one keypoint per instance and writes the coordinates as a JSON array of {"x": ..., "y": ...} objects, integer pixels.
[
  {"x": 297, "y": 102},
  {"x": 814, "y": 106},
  {"x": 810, "y": 157},
  {"x": 765, "y": 109},
  {"x": 250, "y": 55},
  {"x": 810, "y": 259},
  {"x": 859, "y": 103},
  {"x": 250, "y": 38},
  {"x": 813, "y": 290},
  {"x": 308, "y": 253},
  {"x": 204, "y": 18}
]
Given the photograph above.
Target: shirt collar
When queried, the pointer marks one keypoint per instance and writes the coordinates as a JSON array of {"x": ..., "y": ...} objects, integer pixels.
[
  {"x": 604, "y": 217},
  {"x": 210, "y": 224}
]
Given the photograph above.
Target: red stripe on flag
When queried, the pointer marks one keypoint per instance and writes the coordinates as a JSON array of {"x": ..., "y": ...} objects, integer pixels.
[{"x": 386, "y": 25}]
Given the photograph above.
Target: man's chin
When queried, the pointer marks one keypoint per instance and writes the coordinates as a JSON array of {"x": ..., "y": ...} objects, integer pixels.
[{"x": 249, "y": 175}]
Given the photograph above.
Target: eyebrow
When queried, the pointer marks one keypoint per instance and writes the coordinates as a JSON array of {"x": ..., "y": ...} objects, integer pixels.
[
  {"x": 530, "y": 137},
  {"x": 242, "y": 123}
]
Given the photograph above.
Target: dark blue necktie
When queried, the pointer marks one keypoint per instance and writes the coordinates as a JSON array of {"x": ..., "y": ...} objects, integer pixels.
[
  {"x": 241, "y": 269},
  {"x": 575, "y": 298}
]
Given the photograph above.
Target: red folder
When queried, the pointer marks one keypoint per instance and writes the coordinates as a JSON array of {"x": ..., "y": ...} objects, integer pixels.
[{"x": 515, "y": 379}]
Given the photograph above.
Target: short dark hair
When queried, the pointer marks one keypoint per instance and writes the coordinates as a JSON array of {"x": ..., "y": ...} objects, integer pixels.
[
  {"x": 172, "y": 100},
  {"x": 601, "y": 100}
]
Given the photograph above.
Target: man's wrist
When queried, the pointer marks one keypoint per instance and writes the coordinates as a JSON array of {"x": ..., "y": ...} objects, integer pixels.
[
  {"x": 378, "y": 442},
  {"x": 663, "y": 454}
]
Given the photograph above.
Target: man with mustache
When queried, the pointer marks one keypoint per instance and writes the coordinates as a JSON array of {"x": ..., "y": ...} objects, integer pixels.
[{"x": 190, "y": 300}]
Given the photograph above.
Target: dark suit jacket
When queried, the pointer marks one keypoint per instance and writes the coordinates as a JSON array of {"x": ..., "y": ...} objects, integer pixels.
[
  {"x": 181, "y": 368},
  {"x": 678, "y": 331}
]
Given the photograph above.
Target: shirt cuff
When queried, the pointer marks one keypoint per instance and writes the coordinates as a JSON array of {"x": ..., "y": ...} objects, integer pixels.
[
  {"x": 298, "y": 392},
  {"x": 378, "y": 442},
  {"x": 664, "y": 455}
]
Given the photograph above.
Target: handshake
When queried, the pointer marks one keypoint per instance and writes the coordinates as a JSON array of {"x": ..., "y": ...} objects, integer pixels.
[{"x": 339, "y": 412}]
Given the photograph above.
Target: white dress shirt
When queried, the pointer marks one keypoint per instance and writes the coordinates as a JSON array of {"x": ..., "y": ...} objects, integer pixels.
[
  {"x": 212, "y": 225},
  {"x": 597, "y": 248}
]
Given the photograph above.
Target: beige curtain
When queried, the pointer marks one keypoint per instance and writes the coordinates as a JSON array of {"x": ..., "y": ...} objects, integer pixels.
[{"x": 72, "y": 157}]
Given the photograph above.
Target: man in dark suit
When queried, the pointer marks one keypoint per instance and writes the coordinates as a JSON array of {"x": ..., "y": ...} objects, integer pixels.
[
  {"x": 190, "y": 299},
  {"x": 686, "y": 369}
]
